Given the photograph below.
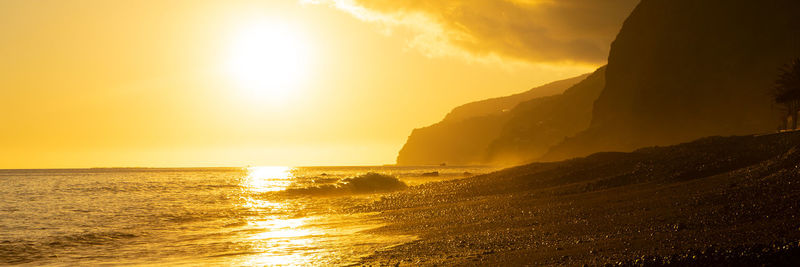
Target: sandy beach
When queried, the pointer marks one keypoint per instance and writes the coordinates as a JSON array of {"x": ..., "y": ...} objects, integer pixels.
[{"x": 715, "y": 201}]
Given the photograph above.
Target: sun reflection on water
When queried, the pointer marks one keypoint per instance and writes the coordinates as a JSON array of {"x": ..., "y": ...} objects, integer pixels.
[
  {"x": 278, "y": 240},
  {"x": 283, "y": 242},
  {"x": 280, "y": 234},
  {"x": 281, "y": 228},
  {"x": 268, "y": 178}
]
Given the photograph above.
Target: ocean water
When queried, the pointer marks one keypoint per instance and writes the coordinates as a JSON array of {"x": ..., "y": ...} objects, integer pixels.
[{"x": 209, "y": 216}]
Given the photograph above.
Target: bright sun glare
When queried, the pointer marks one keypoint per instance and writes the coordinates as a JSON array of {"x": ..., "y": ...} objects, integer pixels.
[{"x": 268, "y": 58}]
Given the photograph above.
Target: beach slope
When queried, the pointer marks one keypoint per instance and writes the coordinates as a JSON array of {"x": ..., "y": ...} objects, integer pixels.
[{"x": 713, "y": 201}]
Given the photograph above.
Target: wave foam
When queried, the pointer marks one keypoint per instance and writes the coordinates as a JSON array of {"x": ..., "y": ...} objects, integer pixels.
[{"x": 363, "y": 184}]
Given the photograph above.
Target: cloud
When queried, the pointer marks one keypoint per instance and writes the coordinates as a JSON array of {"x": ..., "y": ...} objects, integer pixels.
[{"x": 539, "y": 31}]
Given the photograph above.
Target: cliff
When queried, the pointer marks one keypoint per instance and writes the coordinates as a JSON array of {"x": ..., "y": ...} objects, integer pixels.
[
  {"x": 684, "y": 69},
  {"x": 463, "y": 136},
  {"x": 499, "y": 104},
  {"x": 678, "y": 70},
  {"x": 538, "y": 124}
]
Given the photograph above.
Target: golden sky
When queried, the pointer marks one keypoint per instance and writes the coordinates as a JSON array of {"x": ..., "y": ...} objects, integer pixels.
[{"x": 97, "y": 83}]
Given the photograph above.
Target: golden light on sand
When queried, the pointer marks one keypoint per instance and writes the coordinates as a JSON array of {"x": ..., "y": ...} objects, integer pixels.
[{"x": 268, "y": 58}]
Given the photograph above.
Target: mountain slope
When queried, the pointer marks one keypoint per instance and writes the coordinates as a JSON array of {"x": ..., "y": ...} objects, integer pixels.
[
  {"x": 462, "y": 137},
  {"x": 683, "y": 69},
  {"x": 538, "y": 124},
  {"x": 498, "y": 104}
]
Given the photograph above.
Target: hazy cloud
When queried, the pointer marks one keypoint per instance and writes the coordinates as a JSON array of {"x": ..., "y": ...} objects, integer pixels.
[{"x": 578, "y": 31}]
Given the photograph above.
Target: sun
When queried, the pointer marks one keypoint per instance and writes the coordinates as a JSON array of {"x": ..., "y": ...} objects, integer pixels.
[{"x": 268, "y": 58}]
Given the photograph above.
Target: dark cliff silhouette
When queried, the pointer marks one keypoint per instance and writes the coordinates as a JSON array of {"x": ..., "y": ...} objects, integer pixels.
[
  {"x": 684, "y": 69},
  {"x": 463, "y": 136},
  {"x": 787, "y": 93},
  {"x": 538, "y": 124},
  {"x": 678, "y": 70}
]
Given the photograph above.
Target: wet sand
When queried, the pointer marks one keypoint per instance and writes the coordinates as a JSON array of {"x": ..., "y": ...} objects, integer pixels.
[{"x": 715, "y": 201}]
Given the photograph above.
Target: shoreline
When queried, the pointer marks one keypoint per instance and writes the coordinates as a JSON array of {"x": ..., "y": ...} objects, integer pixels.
[{"x": 714, "y": 201}]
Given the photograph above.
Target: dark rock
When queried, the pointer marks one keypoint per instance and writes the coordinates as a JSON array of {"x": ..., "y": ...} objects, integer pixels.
[
  {"x": 463, "y": 136},
  {"x": 684, "y": 69}
]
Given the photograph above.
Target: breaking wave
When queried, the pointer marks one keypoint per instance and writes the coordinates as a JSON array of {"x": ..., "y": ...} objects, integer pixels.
[{"x": 363, "y": 184}]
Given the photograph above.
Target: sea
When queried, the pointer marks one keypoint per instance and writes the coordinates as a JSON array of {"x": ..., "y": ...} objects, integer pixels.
[{"x": 271, "y": 215}]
